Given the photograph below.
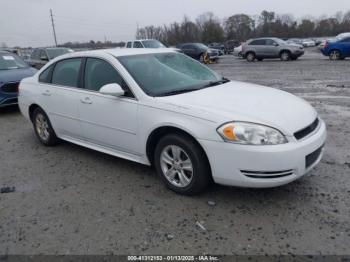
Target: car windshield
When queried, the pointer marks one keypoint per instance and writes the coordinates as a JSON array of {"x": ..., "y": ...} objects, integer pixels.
[
  {"x": 152, "y": 44},
  {"x": 202, "y": 46},
  {"x": 169, "y": 73},
  {"x": 342, "y": 36},
  {"x": 10, "y": 61},
  {"x": 54, "y": 52}
]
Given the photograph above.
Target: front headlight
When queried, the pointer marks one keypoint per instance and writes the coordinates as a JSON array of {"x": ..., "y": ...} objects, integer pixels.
[{"x": 250, "y": 134}]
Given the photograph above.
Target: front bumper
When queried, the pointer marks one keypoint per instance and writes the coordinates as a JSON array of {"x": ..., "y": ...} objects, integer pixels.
[
  {"x": 234, "y": 164},
  {"x": 298, "y": 53}
]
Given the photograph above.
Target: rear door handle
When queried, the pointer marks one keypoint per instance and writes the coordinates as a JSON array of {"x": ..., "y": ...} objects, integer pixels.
[
  {"x": 47, "y": 93},
  {"x": 86, "y": 100}
]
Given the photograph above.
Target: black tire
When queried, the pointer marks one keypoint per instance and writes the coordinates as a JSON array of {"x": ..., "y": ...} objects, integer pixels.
[
  {"x": 40, "y": 122},
  {"x": 250, "y": 57},
  {"x": 285, "y": 56},
  {"x": 335, "y": 55},
  {"x": 201, "y": 174}
]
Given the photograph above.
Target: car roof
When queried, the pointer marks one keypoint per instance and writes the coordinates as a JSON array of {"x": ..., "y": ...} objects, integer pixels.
[
  {"x": 118, "y": 52},
  {"x": 52, "y": 48},
  {"x": 147, "y": 39},
  {"x": 263, "y": 38}
]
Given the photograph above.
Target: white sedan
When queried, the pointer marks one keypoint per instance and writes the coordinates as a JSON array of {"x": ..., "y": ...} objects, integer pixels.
[{"x": 162, "y": 108}]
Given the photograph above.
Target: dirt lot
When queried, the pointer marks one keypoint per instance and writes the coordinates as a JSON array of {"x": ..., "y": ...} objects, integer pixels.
[{"x": 71, "y": 200}]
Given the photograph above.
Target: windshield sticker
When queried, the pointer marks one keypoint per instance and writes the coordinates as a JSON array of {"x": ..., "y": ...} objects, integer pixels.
[{"x": 8, "y": 57}]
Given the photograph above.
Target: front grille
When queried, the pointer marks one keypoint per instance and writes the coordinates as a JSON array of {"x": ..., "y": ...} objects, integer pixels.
[
  {"x": 10, "y": 87},
  {"x": 312, "y": 158},
  {"x": 307, "y": 130},
  {"x": 267, "y": 174}
]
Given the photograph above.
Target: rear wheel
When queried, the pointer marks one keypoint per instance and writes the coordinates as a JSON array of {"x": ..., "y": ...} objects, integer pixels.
[
  {"x": 250, "y": 57},
  {"x": 182, "y": 164},
  {"x": 43, "y": 128},
  {"x": 285, "y": 56},
  {"x": 335, "y": 55}
]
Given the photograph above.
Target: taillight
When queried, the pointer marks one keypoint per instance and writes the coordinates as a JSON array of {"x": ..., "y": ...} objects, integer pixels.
[{"x": 326, "y": 45}]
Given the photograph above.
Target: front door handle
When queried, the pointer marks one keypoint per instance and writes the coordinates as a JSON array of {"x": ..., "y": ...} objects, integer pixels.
[
  {"x": 46, "y": 93},
  {"x": 86, "y": 100}
]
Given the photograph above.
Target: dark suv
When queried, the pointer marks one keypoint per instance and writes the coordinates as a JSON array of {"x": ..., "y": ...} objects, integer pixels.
[
  {"x": 40, "y": 56},
  {"x": 198, "y": 51},
  {"x": 262, "y": 48}
]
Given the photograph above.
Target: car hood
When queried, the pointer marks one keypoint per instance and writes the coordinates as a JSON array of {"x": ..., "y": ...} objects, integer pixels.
[
  {"x": 14, "y": 75},
  {"x": 238, "y": 101},
  {"x": 295, "y": 45}
]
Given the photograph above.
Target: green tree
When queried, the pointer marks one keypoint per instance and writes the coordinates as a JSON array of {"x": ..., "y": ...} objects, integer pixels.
[{"x": 239, "y": 27}]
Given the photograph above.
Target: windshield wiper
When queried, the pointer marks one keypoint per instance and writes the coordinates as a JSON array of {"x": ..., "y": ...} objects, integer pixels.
[
  {"x": 180, "y": 91},
  {"x": 216, "y": 83}
]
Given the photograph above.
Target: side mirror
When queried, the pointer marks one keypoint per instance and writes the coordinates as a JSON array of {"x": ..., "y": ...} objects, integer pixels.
[
  {"x": 112, "y": 90},
  {"x": 275, "y": 44}
]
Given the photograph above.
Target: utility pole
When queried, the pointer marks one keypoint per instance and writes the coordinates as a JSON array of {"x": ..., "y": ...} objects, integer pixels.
[
  {"x": 53, "y": 27},
  {"x": 137, "y": 30}
]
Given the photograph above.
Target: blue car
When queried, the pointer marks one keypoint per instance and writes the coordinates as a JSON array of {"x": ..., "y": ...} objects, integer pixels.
[
  {"x": 337, "y": 49},
  {"x": 12, "y": 70}
]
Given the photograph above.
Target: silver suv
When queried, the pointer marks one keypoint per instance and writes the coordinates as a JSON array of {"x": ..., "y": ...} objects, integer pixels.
[{"x": 261, "y": 48}]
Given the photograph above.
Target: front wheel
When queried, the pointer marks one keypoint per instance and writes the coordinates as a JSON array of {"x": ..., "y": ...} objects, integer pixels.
[
  {"x": 250, "y": 57},
  {"x": 335, "y": 55},
  {"x": 182, "y": 164},
  {"x": 43, "y": 128},
  {"x": 285, "y": 56}
]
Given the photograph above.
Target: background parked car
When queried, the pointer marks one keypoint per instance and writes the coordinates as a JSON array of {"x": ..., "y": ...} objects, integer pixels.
[
  {"x": 198, "y": 51},
  {"x": 230, "y": 46},
  {"x": 12, "y": 70},
  {"x": 308, "y": 43},
  {"x": 219, "y": 47},
  {"x": 237, "y": 51},
  {"x": 337, "y": 49},
  {"x": 147, "y": 43},
  {"x": 40, "y": 56},
  {"x": 144, "y": 43},
  {"x": 261, "y": 48},
  {"x": 296, "y": 41}
]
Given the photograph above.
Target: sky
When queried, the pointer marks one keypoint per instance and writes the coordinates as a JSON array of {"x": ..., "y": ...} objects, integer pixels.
[{"x": 27, "y": 22}]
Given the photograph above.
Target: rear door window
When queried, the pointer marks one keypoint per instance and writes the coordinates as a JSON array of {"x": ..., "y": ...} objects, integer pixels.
[
  {"x": 35, "y": 54},
  {"x": 99, "y": 73},
  {"x": 258, "y": 42},
  {"x": 66, "y": 72},
  {"x": 138, "y": 44},
  {"x": 270, "y": 42},
  {"x": 128, "y": 45},
  {"x": 43, "y": 55}
]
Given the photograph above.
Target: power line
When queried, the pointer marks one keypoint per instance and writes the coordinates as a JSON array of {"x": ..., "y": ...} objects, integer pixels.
[{"x": 53, "y": 27}]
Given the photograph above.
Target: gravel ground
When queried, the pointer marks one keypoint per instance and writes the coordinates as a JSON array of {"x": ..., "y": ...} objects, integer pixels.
[{"x": 71, "y": 200}]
